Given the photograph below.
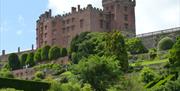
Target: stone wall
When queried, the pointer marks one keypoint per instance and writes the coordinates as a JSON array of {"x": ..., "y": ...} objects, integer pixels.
[{"x": 150, "y": 40}]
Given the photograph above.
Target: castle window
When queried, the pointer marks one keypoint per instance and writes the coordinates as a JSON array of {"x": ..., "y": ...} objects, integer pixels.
[
  {"x": 72, "y": 27},
  {"x": 112, "y": 7},
  {"x": 45, "y": 35},
  {"x": 126, "y": 17},
  {"x": 63, "y": 22},
  {"x": 63, "y": 30},
  {"x": 107, "y": 8},
  {"x": 126, "y": 25},
  {"x": 125, "y": 8},
  {"x": 101, "y": 23},
  {"x": 81, "y": 23},
  {"x": 73, "y": 19},
  {"x": 68, "y": 21},
  {"x": 46, "y": 27}
]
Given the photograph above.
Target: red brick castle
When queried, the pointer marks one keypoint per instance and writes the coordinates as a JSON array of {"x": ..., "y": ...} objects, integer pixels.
[{"x": 59, "y": 30}]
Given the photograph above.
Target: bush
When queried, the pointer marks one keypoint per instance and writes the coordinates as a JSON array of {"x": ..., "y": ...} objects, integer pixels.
[
  {"x": 152, "y": 53},
  {"x": 6, "y": 73},
  {"x": 148, "y": 75},
  {"x": 30, "y": 59},
  {"x": 135, "y": 46},
  {"x": 23, "y": 59},
  {"x": 37, "y": 55},
  {"x": 100, "y": 72},
  {"x": 174, "y": 58},
  {"x": 24, "y": 85},
  {"x": 45, "y": 52},
  {"x": 165, "y": 44},
  {"x": 13, "y": 61},
  {"x": 54, "y": 53},
  {"x": 63, "y": 52},
  {"x": 40, "y": 75}
]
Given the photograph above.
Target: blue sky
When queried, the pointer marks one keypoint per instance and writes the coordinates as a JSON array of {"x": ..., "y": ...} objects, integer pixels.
[{"x": 18, "y": 18}]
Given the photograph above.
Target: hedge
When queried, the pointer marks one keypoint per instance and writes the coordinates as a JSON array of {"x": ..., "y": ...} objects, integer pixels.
[{"x": 24, "y": 85}]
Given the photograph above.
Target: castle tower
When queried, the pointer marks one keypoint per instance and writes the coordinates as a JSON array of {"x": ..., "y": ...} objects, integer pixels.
[{"x": 121, "y": 15}]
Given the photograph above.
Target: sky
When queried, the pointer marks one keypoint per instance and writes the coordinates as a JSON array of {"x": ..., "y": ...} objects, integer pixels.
[{"x": 18, "y": 18}]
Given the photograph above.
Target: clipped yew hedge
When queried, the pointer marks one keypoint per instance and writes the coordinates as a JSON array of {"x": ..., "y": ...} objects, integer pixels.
[{"x": 24, "y": 85}]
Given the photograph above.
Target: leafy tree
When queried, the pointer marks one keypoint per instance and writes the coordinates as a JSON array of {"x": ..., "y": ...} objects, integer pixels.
[
  {"x": 148, "y": 75},
  {"x": 23, "y": 59},
  {"x": 45, "y": 52},
  {"x": 100, "y": 72},
  {"x": 174, "y": 58},
  {"x": 63, "y": 52},
  {"x": 116, "y": 46},
  {"x": 13, "y": 61},
  {"x": 135, "y": 46},
  {"x": 165, "y": 44},
  {"x": 30, "y": 59},
  {"x": 37, "y": 55},
  {"x": 54, "y": 53}
]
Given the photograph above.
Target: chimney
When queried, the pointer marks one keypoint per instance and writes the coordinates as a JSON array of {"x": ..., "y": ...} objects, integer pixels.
[
  {"x": 19, "y": 50},
  {"x": 32, "y": 47},
  {"x": 73, "y": 9},
  {"x": 3, "y": 52},
  {"x": 79, "y": 7},
  {"x": 50, "y": 12}
]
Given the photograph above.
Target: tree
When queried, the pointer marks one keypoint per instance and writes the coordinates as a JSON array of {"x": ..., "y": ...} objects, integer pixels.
[
  {"x": 174, "y": 58},
  {"x": 115, "y": 45},
  {"x": 45, "y": 52},
  {"x": 54, "y": 53},
  {"x": 13, "y": 61},
  {"x": 37, "y": 55},
  {"x": 100, "y": 72},
  {"x": 23, "y": 59},
  {"x": 148, "y": 75},
  {"x": 30, "y": 59},
  {"x": 135, "y": 46},
  {"x": 165, "y": 44},
  {"x": 63, "y": 52}
]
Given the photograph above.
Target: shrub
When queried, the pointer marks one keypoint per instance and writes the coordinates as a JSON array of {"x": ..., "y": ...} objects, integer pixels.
[
  {"x": 54, "y": 53},
  {"x": 165, "y": 44},
  {"x": 45, "y": 52},
  {"x": 135, "y": 46},
  {"x": 63, "y": 52},
  {"x": 148, "y": 75},
  {"x": 6, "y": 73},
  {"x": 23, "y": 59},
  {"x": 30, "y": 59},
  {"x": 174, "y": 58},
  {"x": 37, "y": 55},
  {"x": 152, "y": 53},
  {"x": 13, "y": 61},
  {"x": 39, "y": 74}
]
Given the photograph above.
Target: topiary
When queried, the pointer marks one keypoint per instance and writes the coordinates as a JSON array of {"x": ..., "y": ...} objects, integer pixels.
[
  {"x": 165, "y": 44},
  {"x": 37, "y": 55},
  {"x": 45, "y": 52},
  {"x": 54, "y": 53},
  {"x": 30, "y": 59},
  {"x": 23, "y": 59},
  {"x": 63, "y": 52},
  {"x": 13, "y": 61}
]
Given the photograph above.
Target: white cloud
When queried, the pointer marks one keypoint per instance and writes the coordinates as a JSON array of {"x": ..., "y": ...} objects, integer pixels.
[
  {"x": 21, "y": 20},
  {"x": 19, "y": 32},
  {"x": 151, "y": 15},
  {"x": 64, "y": 6}
]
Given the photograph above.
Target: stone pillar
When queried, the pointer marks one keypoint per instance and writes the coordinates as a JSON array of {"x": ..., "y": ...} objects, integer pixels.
[
  {"x": 3, "y": 52},
  {"x": 19, "y": 50},
  {"x": 79, "y": 7}
]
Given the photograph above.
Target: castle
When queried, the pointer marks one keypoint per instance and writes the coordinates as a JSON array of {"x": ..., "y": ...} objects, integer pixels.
[{"x": 59, "y": 30}]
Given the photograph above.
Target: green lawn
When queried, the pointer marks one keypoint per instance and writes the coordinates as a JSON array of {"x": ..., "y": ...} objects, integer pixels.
[{"x": 144, "y": 63}]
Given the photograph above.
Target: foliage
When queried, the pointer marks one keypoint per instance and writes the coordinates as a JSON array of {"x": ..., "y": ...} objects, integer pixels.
[
  {"x": 135, "y": 46},
  {"x": 54, "y": 53},
  {"x": 39, "y": 74},
  {"x": 115, "y": 45},
  {"x": 23, "y": 84},
  {"x": 153, "y": 53},
  {"x": 100, "y": 72},
  {"x": 63, "y": 52},
  {"x": 30, "y": 59},
  {"x": 165, "y": 43},
  {"x": 13, "y": 61},
  {"x": 87, "y": 44},
  {"x": 6, "y": 73},
  {"x": 45, "y": 52},
  {"x": 148, "y": 75},
  {"x": 9, "y": 89},
  {"x": 23, "y": 59},
  {"x": 37, "y": 55},
  {"x": 175, "y": 54}
]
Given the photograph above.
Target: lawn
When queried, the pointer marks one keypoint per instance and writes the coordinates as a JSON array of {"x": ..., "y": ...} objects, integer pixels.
[{"x": 144, "y": 63}]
